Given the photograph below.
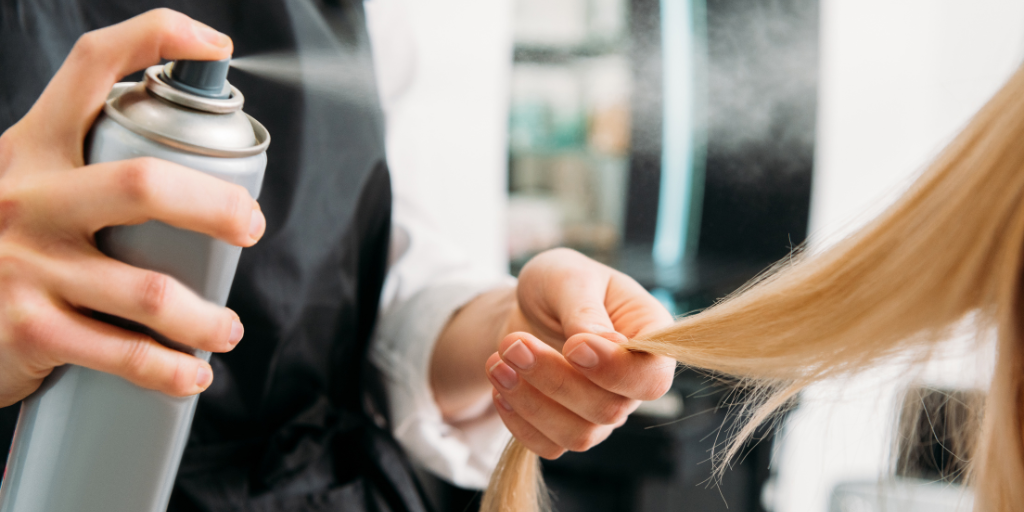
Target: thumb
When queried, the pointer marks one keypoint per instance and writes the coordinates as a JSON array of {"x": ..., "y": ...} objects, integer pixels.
[
  {"x": 101, "y": 57},
  {"x": 568, "y": 292},
  {"x": 583, "y": 311}
]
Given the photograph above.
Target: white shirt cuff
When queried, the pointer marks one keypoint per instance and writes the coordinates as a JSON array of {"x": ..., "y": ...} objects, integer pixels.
[{"x": 463, "y": 453}]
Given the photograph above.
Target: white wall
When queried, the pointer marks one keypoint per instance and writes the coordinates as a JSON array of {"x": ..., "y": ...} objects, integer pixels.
[{"x": 898, "y": 79}]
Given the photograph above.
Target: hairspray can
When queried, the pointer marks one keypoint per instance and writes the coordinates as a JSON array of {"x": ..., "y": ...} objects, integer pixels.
[{"x": 88, "y": 441}]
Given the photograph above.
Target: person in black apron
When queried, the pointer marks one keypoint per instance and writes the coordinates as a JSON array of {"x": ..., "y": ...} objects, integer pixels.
[{"x": 296, "y": 420}]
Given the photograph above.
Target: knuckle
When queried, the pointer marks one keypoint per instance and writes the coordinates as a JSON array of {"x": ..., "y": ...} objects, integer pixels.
[
  {"x": 180, "y": 384},
  {"x": 27, "y": 324},
  {"x": 657, "y": 388},
  {"x": 217, "y": 337},
  {"x": 88, "y": 47},
  {"x": 558, "y": 385},
  {"x": 618, "y": 381},
  {"x": 586, "y": 313},
  {"x": 659, "y": 382},
  {"x": 551, "y": 453},
  {"x": 613, "y": 412},
  {"x": 60, "y": 247},
  {"x": 537, "y": 443},
  {"x": 153, "y": 293},
  {"x": 592, "y": 310},
  {"x": 528, "y": 408},
  {"x": 236, "y": 206},
  {"x": 166, "y": 21},
  {"x": 136, "y": 358},
  {"x": 137, "y": 178},
  {"x": 586, "y": 440},
  {"x": 624, "y": 419}
]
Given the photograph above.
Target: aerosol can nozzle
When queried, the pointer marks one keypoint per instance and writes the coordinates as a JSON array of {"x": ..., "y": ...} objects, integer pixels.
[{"x": 207, "y": 78}]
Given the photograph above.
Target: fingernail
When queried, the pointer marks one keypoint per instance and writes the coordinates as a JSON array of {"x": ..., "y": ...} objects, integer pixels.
[
  {"x": 236, "y": 332},
  {"x": 504, "y": 403},
  {"x": 209, "y": 35},
  {"x": 203, "y": 377},
  {"x": 583, "y": 356},
  {"x": 519, "y": 354},
  {"x": 255, "y": 224},
  {"x": 504, "y": 375}
]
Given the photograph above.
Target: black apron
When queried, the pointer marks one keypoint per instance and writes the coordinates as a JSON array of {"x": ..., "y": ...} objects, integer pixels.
[{"x": 292, "y": 421}]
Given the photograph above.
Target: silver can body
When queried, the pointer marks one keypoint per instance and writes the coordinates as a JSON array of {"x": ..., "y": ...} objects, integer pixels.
[{"x": 92, "y": 442}]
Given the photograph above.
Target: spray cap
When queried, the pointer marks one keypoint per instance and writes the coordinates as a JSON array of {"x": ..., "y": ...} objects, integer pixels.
[{"x": 206, "y": 78}]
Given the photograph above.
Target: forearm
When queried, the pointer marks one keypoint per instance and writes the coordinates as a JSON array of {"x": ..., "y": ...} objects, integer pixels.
[{"x": 457, "y": 373}]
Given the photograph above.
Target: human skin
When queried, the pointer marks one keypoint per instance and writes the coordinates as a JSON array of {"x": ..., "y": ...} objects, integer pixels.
[
  {"x": 51, "y": 205},
  {"x": 559, "y": 379},
  {"x": 52, "y": 276}
]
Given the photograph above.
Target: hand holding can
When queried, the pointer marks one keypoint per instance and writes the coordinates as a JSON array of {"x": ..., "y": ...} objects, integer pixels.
[
  {"x": 51, "y": 206},
  {"x": 116, "y": 273}
]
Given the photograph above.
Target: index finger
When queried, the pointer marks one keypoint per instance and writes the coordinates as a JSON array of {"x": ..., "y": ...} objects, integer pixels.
[
  {"x": 132, "y": 191},
  {"x": 102, "y": 57},
  {"x": 547, "y": 371},
  {"x": 637, "y": 375}
]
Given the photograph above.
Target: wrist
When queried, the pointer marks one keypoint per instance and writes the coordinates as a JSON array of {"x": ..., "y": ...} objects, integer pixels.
[{"x": 457, "y": 374}]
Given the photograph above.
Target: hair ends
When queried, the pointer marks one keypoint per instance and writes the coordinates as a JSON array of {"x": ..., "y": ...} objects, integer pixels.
[{"x": 517, "y": 484}]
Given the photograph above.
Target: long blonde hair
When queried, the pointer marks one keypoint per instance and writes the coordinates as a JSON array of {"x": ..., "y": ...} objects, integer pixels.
[{"x": 950, "y": 246}]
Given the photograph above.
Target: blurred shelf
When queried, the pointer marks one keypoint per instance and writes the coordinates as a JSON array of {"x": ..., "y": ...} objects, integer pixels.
[
  {"x": 535, "y": 54},
  {"x": 571, "y": 151}
]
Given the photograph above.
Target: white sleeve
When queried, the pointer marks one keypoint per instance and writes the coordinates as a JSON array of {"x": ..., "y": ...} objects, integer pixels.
[
  {"x": 463, "y": 452},
  {"x": 445, "y": 147}
]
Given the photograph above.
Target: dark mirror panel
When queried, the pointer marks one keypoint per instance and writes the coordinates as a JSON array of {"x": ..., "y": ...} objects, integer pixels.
[
  {"x": 756, "y": 115},
  {"x": 761, "y": 103}
]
